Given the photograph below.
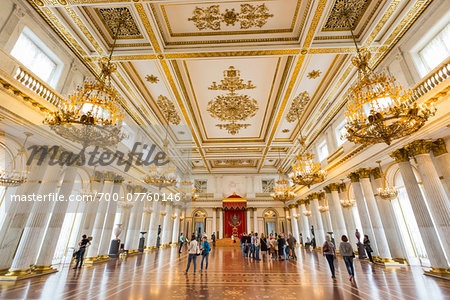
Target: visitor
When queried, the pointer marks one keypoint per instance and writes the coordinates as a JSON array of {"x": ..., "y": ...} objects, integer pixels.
[
  {"x": 232, "y": 239},
  {"x": 369, "y": 250},
  {"x": 281, "y": 245},
  {"x": 248, "y": 244},
  {"x": 329, "y": 251},
  {"x": 213, "y": 238},
  {"x": 292, "y": 242},
  {"x": 83, "y": 244},
  {"x": 308, "y": 243},
  {"x": 301, "y": 239},
  {"x": 254, "y": 237},
  {"x": 264, "y": 245},
  {"x": 243, "y": 241},
  {"x": 346, "y": 250},
  {"x": 206, "y": 248},
  {"x": 194, "y": 251},
  {"x": 257, "y": 246},
  {"x": 273, "y": 246},
  {"x": 181, "y": 242}
]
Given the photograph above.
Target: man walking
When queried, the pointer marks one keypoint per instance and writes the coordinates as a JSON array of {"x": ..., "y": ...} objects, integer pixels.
[{"x": 213, "y": 238}]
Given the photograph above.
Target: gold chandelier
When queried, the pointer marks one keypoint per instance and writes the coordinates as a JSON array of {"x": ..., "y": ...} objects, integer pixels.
[
  {"x": 232, "y": 107},
  {"x": 386, "y": 192},
  {"x": 323, "y": 208},
  {"x": 91, "y": 116},
  {"x": 186, "y": 188},
  {"x": 347, "y": 203},
  {"x": 379, "y": 110},
  {"x": 162, "y": 176},
  {"x": 283, "y": 190},
  {"x": 15, "y": 174},
  {"x": 306, "y": 171}
]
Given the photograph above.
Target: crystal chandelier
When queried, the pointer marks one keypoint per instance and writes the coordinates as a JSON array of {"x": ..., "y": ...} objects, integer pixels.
[
  {"x": 307, "y": 213},
  {"x": 379, "y": 110},
  {"x": 162, "y": 176},
  {"x": 386, "y": 192},
  {"x": 283, "y": 190},
  {"x": 324, "y": 208},
  {"x": 186, "y": 188},
  {"x": 306, "y": 171},
  {"x": 14, "y": 175},
  {"x": 347, "y": 203},
  {"x": 232, "y": 107},
  {"x": 91, "y": 116}
]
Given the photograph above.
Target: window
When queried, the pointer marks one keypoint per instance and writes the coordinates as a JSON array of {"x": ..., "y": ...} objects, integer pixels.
[
  {"x": 37, "y": 57},
  {"x": 339, "y": 133},
  {"x": 322, "y": 150},
  {"x": 435, "y": 52}
]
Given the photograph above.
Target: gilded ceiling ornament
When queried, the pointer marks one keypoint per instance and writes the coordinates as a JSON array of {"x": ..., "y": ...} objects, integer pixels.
[
  {"x": 111, "y": 15},
  {"x": 249, "y": 16},
  {"x": 152, "y": 78},
  {"x": 168, "y": 109},
  {"x": 297, "y": 107},
  {"x": 343, "y": 10},
  {"x": 285, "y": 130},
  {"x": 232, "y": 107},
  {"x": 314, "y": 74}
]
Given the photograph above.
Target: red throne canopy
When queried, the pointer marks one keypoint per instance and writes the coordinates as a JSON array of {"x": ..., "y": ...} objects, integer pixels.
[{"x": 234, "y": 215}]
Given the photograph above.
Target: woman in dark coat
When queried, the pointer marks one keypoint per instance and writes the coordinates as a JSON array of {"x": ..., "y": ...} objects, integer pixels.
[
  {"x": 264, "y": 245},
  {"x": 369, "y": 250}
]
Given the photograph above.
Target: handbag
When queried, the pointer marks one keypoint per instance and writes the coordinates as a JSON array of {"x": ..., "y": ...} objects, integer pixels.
[{"x": 326, "y": 248}]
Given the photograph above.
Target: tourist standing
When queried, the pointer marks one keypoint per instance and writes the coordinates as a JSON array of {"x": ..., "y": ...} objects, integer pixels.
[
  {"x": 83, "y": 244},
  {"x": 253, "y": 244},
  {"x": 194, "y": 251},
  {"x": 181, "y": 242},
  {"x": 329, "y": 251},
  {"x": 264, "y": 245},
  {"x": 292, "y": 242},
  {"x": 213, "y": 238},
  {"x": 369, "y": 250},
  {"x": 281, "y": 245},
  {"x": 257, "y": 246},
  {"x": 206, "y": 248},
  {"x": 346, "y": 250}
]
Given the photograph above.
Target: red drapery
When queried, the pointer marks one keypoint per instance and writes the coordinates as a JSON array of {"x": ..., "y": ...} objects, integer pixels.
[{"x": 234, "y": 215}]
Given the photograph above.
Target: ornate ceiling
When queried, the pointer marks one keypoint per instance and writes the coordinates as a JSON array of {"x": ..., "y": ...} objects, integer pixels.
[{"x": 171, "y": 52}]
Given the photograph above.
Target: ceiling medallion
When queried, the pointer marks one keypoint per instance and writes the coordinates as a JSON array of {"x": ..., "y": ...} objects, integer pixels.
[
  {"x": 91, "y": 116},
  {"x": 297, "y": 107},
  {"x": 314, "y": 74},
  {"x": 306, "y": 171},
  {"x": 110, "y": 17},
  {"x": 343, "y": 10},
  {"x": 152, "y": 78},
  {"x": 168, "y": 109},
  {"x": 211, "y": 18},
  {"x": 379, "y": 110},
  {"x": 232, "y": 107}
]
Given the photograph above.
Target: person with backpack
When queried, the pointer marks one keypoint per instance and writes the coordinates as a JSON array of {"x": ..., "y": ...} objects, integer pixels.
[
  {"x": 329, "y": 251},
  {"x": 194, "y": 251},
  {"x": 181, "y": 242},
  {"x": 368, "y": 248},
  {"x": 206, "y": 248},
  {"x": 83, "y": 244}
]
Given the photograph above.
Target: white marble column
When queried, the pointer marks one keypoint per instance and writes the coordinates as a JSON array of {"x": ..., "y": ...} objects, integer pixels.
[
  {"x": 377, "y": 225},
  {"x": 304, "y": 220},
  {"x": 363, "y": 211},
  {"x": 176, "y": 225},
  {"x": 214, "y": 224},
  {"x": 166, "y": 228},
  {"x": 435, "y": 195},
  {"x": 427, "y": 230},
  {"x": 335, "y": 205},
  {"x": 105, "y": 241},
  {"x": 347, "y": 212},
  {"x": 442, "y": 162},
  {"x": 17, "y": 213},
  {"x": 50, "y": 239},
  {"x": 125, "y": 212},
  {"x": 220, "y": 223},
  {"x": 99, "y": 221},
  {"x": 29, "y": 245},
  {"x": 255, "y": 220},
  {"x": 153, "y": 227},
  {"x": 134, "y": 224},
  {"x": 249, "y": 229},
  {"x": 294, "y": 224},
  {"x": 390, "y": 225},
  {"x": 317, "y": 220}
]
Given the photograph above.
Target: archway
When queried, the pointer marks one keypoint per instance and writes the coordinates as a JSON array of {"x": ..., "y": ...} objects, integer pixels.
[{"x": 270, "y": 216}]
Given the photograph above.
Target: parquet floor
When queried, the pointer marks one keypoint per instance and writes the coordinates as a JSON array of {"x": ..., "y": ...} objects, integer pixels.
[{"x": 161, "y": 275}]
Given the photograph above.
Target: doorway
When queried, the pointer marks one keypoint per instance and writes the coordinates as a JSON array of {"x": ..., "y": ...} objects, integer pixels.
[{"x": 270, "y": 227}]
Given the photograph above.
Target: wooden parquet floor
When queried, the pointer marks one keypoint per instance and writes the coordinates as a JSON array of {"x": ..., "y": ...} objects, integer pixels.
[{"x": 161, "y": 275}]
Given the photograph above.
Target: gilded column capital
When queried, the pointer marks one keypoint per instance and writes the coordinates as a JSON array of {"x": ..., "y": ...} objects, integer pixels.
[
  {"x": 363, "y": 172},
  {"x": 163, "y": 214},
  {"x": 309, "y": 197},
  {"x": 147, "y": 211},
  {"x": 400, "y": 155},
  {"x": 334, "y": 187},
  {"x": 315, "y": 195},
  {"x": 321, "y": 196},
  {"x": 342, "y": 187},
  {"x": 419, "y": 147},
  {"x": 353, "y": 176},
  {"x": 291, "y": 206},
  {"x": 98, "y": 176},
  {"x": 139, "y": 189},
  {"x": 438, "y": 147},
  {"x": 376, "y": 172},
  {"x": 109, "y": 176},
  {"x": 327, "y": 189},
  {"x": 119, "y": 179}
]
